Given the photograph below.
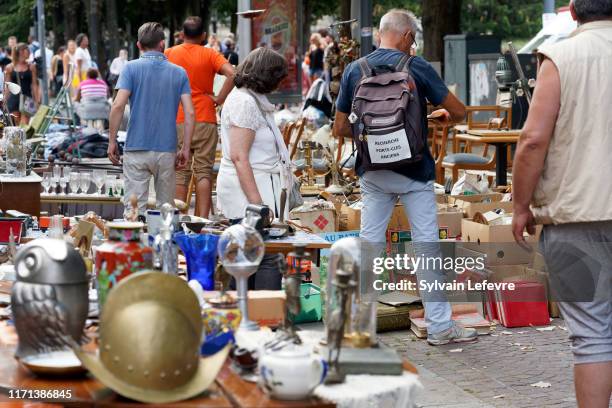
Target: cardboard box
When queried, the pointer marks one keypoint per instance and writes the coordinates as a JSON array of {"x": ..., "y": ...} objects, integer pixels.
[
  {"x": 495, "y": 242},
  {"x": 349, "y": 219},
  {"x": 266, "y": 307},
  {"x": 469, "y": 208},
  {"x": 448, "y": 218},
  {"x": 317, "y": 220},
  {"x": 475, "y": 232},
  {"x": 475, "y": 198},
  {"x": 442, "y": 198},
  {"x": 471, "y": 204}
]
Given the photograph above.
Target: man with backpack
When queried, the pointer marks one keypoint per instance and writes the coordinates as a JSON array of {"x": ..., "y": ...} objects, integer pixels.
[{"x": 382, "y": 105}]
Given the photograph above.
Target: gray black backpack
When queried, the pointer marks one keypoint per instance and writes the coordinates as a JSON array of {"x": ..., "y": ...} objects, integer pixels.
[{"x": 387, "y": 117}]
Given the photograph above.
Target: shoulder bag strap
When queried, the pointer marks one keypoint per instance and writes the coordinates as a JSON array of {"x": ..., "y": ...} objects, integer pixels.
[
  {"x": 281, "y": 150},
  {"x": 365, "y": 68},
  {"x": 404, "y": 63}
]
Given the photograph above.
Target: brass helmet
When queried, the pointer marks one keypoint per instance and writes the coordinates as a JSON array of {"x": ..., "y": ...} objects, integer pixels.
[{"x": 150, "y": 337}]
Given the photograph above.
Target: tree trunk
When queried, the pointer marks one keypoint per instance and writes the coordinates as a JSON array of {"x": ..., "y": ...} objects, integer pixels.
[
  {"x": 196, "y": 7},
  {"x": 71, "y": 29},
  {"x": 234, "y": 22},
  {"x": 440, "y": 17},
  {"x": 57, "y": 21},
  {"x": 112, "y": 24},
  {"x": 205, "y": 14},
  {"x": 95, "y": 45},
  {"x": 345, "y": 14}
]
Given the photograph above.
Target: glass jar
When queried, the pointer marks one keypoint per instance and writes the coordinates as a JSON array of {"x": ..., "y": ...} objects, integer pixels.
[{"x": 16, "y": 151}]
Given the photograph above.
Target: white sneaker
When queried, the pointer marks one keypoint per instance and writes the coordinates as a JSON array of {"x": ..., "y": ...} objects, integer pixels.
[{"x": 455, "y": 334}]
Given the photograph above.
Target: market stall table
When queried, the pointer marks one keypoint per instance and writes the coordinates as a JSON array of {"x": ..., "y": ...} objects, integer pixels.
[
  {"x": 245, "y": 394},
  {"x": 105, "y": 206},
  {"x": 498, "y": 138},
  {"x": 314, "y": 243},
  {"x": 229, "y": 391}
]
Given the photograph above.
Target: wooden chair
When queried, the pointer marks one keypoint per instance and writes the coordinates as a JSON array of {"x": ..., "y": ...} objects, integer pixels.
[
  {"x": 496, "y": 109},
  {"x": 456, "y": 161},
  {"x": 287, "y": 132},
  {"x": 439, "y": 141},
  {"x": 472, "y": 123},
  {"x": 293, "y": 138}
]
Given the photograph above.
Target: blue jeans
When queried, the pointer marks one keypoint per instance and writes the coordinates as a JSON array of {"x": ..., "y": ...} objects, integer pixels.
[{"x": 379, "y": 191}]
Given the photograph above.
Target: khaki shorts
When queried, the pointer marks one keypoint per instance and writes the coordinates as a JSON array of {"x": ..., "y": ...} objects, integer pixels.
[
  {"x": 203, "y": 148},
  {"x": 138, "y": 168}
]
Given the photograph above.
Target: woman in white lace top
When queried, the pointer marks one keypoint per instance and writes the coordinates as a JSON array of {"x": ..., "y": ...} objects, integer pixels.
[{"x": 253, "y": 149}]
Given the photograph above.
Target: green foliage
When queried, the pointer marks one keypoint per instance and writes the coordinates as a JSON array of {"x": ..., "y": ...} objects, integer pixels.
[
  {"x": 15, "y": 19},
  {"x": 380, "y": 7},
  {"x": 508, "y": 19},
  {"x": 225, "y": 8},
  {"x": 322, "y": 8}
]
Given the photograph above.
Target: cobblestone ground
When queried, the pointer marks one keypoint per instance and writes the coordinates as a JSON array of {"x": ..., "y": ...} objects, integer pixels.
[{"x": 496, "y": 371}]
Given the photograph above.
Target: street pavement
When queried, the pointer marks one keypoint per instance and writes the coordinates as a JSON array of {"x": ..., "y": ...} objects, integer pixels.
[{"x": 496, "y": 371}]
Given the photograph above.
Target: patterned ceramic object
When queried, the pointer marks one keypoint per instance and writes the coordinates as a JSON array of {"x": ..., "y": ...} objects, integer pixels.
[
  {"x": 120, "y": 256},
  {"x": 290, "y": 373},
  {"x": 222, "y": 315}
]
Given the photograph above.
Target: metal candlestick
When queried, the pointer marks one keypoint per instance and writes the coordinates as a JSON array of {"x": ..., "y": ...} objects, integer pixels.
[{"x": 335, "y": 324}]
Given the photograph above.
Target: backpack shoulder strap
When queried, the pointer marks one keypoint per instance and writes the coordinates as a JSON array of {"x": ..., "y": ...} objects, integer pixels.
[
  {"x": 366, "y": 70},
  {"x": 404, "y": 63}
]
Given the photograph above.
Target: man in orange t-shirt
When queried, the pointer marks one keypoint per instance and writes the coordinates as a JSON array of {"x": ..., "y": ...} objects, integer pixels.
[{"x": 201, "y": 64}]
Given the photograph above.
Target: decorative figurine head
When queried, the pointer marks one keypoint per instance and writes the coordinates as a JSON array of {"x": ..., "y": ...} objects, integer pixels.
[{"x": 50, "y": 298}]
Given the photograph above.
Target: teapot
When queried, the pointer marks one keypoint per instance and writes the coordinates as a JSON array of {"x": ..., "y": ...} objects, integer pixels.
[{"x": 291, "y": 373}]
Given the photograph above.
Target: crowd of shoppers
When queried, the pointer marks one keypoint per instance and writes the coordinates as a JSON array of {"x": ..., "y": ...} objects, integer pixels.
[{"x": 172, "y": 139}]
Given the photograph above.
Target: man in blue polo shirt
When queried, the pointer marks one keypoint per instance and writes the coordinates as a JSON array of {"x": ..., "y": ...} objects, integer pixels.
[
  {"x": 154, "y": 88},
  {"x": 413, "y": 184}
]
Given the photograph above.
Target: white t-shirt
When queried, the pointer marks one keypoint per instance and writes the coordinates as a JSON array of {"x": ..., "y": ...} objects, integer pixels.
[
  {"x": 48, "y": 57},
  {"x": 240, "y": 109},
  {"x": 117, "y": 66},
  {"x": 82, "y": 54}
]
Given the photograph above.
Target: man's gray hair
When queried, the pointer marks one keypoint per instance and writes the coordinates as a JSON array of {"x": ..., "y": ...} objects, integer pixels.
[
  {"x": 399, "y": 21},
  {"x": 591, "y": 10}
]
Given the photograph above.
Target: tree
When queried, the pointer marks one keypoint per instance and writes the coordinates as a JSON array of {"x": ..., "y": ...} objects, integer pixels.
[
  {"x": 15, "y": 19},
  {"x": 382, "y": 6},
  {"x": 226, "y": 10},
  {"x": 95, "y": 33},
  {"x": 112, "y": 26},
  {"x": 508, "y": 19},
  {"x": 440, "y": 17}
]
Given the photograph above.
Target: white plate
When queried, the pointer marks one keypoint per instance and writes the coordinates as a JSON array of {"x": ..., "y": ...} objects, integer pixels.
[{"x": 55, "y": 362}]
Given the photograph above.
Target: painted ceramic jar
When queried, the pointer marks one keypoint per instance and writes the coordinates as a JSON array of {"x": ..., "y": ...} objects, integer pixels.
[
  {"x": 291, "y": 373},
  {"x": 222, "y": 315},
  {"x": 120, "y": 256}
]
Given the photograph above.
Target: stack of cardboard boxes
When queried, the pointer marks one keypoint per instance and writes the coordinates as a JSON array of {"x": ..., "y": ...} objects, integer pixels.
[{"x": 505, "y": 260}]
